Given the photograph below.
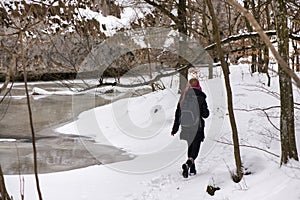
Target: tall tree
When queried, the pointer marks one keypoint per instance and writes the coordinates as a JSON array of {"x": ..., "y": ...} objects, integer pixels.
[
  {"x": 250, "y": 29},
  {"x": 225, "y": 68},
  {"x": 287, "y": 123},
  {"x": 182, "y": 29},
  {"x": 181, "y": 24}
]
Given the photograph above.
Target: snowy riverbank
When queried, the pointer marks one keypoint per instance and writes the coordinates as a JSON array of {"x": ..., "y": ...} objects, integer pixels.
[{"x": 141, "y": 126}]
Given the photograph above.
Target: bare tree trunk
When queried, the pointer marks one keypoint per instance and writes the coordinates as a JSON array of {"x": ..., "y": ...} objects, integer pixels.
[
  {"x": 3, "y": 192},
  {"x": 9, "y": 73},
  {"x": 297, "y": 62},
  {"x": 295, "y": 57},
  {"x": 207, "y": 36},
  {"x": 182, "y": 29},
  {"x": 266, "y": 51},
  {"x": 287, "y": 123},
  {"x": 225, "y": 68},
  {"x": 7, "y": 79},
  {"x": 266, "y": 62},
  {"x": 30, "y": 117},
  {"x": 260, "y": 60},
  {"x": 254, "y": 40},
  {"x": 295, "y": 48},
  {"x": 181, "y": 24}
]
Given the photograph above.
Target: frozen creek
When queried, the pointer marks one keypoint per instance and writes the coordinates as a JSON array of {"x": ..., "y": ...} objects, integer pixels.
[{"x": 56, "y": 152}]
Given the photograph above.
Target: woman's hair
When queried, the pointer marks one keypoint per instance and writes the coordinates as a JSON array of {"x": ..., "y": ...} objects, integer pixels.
[{"x": 194, "y": 83}]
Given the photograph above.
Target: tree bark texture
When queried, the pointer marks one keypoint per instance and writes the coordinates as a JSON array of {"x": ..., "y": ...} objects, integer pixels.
[
  {"x": 35, "y": 163},
  {"x": 287, "y": 123},
  {"x": 182, "y": 29},
  {"x": 3, "y": 192},
  {"x": 225, "y": 68}
]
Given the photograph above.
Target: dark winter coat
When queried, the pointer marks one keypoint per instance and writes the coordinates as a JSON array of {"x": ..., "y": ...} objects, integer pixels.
[{"x": 189, "y": 134}]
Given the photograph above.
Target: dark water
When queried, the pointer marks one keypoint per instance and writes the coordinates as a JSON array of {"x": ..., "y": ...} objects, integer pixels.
[{"x": 56, "y": 152}]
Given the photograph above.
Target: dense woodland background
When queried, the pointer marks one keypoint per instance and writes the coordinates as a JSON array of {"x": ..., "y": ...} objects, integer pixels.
[{"x": 58, "y": 38}]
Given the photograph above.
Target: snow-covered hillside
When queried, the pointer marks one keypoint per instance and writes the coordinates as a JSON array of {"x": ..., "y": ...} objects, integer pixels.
[{"x": 141, "y": 126}]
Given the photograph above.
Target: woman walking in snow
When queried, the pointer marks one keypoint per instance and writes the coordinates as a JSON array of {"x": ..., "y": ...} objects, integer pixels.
[{"x": 191, "y": 110}]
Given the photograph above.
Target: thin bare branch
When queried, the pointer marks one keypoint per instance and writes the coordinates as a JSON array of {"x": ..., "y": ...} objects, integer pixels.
[
  {"x": 156, "y": 78},
  {"x": 164, "y": 10},
  {"x": 243, "y": 36},
  {"x": 252, "y": 147},
  {"x": 264, "y": 111}
]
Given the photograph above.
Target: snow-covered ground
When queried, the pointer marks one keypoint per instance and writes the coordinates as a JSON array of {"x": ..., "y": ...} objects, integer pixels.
[{"x": 141, "y": 126}]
